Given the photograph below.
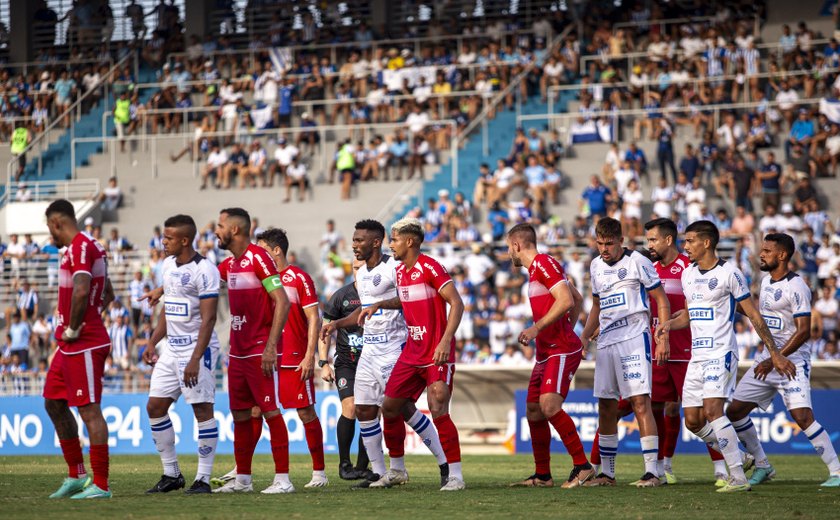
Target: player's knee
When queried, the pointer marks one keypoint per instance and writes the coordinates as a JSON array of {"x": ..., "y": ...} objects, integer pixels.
[
  {"x": 54, "y": 406},
  {"x": 155, "y": 410},
  {"x": 307, "y": 414},
  {"x": 804, "y": 417}
]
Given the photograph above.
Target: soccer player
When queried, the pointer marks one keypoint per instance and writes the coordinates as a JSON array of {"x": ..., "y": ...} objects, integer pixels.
[
  {"x": 187, "y": 361},
  {"x": 258, "y": 311},
  {"x": 559, "y": 352},
  {"x": 712, "y": 290},
  {"x": 348, "y": 348},
  {"x": 621, "y": 282},
  {"x": 75, "y": 374},
  {"x": 785, "y": 303},
  {"x": 427, "y": 362},
  {"x": 385, "y": 336},
  {"x": 299, "y": 341}
]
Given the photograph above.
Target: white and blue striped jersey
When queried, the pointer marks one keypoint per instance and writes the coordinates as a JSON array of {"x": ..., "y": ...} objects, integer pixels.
[
  {"x": 386, "y": 331},
  {"x": 184, "y": 286},
  {"x": 780, "y": 303},
  {"x": 622, "y": 288},
  {"x": 711, "y": 298}
]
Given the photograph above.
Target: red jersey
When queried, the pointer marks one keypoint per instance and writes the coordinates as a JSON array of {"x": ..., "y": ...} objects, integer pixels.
[
  {"x": 83, "y": 255},
  {"x": 671, "y": 276},
  {"x": 300, "y": 290},
  {"x": 249, "y": 279},
  {"x": 424, "y": 309},
  {"x": 559, "y": 337}
]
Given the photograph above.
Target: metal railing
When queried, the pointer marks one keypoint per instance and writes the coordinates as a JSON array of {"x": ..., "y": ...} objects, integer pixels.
[
  {"x": 27, "y": 66},
  {"x": 49, "y": 190},
  {"x": 662, "y": 22}
]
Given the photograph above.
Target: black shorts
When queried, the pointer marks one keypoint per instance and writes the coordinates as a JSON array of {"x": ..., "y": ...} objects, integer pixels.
[{"x": 345, "y": 374}]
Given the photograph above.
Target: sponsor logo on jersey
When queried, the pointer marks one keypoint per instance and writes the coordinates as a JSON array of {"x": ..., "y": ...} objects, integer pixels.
[
  {"x": 701, "y": 314},
  {"x": 375, "y": 339},
  {"x": 430, "y": 267},
  {"x": 797, "y": 299},
  {"x": 617, "y": 324},
  {"x": 288, "y": 278},
  {"x": 791, "y": 390},
  {"x": 713, "y": 283},
  {"x": 354, "y": 340},
  {"x": 417, "y": 332},
  {"x": 702, "y": 342},
  {"x": 415, "y": 275},
  {"x": 675, "y": 269},
  {"x": 180, "y": 341},
  {"x": 185, "y": 279},
  {"x": 181, "y": 310},
  {"x": 628, "y": 359},
  {"x": 80, "y": 393},
  {"x": 773, "y": 322},
  {"x": 236, "y": 322},
  {"x": 614, "y": 300},
  {"x": 712, "y": 378}
]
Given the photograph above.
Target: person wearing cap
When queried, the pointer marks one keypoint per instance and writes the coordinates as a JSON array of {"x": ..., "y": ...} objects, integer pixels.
[
  {"x": 284, "y": 155},
  {"x": 789, "y": 223},
  {"x": 23, "y": 193}
]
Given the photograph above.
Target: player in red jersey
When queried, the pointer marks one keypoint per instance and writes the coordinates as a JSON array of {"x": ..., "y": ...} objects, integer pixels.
[
  {"x": 427, "y": 361},
  {"x": 299, "y": 340},
  {"x": 258, "y": 311},
  {"x": 559, "y": 352},
  {"x": 75, "y": 375}
]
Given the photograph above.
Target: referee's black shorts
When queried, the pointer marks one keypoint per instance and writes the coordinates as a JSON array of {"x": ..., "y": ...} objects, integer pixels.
[{"x": 345, "y": 374}]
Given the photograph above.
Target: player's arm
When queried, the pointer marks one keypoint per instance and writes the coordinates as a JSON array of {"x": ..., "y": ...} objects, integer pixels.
[
  {"x": 153, "y": 296},
  {"x": 803, "y": 332},
  {"x": 782, "y": 364},
  {"x": 456, "y": 309},
  {"x": 392, "y": 304},
  {"x": 577, "y": 308},
  {"x": 563, "y": 301},
  {"x": 327, "y": 373},
  {"x": 207, "y": 309},
  {"x": 678, "y": 320},
  {"x": 313, "y": 325},
  {"x": 107, "y": 293},
  {"x": 78, "y": 305},
  {"x": 663, "y": 309},
  {"x": 278, "y": 321},
  {"x": 593, "y": 321},
  {"x": 150, "y": 354},
  {"x": 351, "y": 320}
]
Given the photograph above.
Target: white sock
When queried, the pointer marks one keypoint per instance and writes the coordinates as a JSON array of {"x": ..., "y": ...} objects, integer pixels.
[
  {"x": 720, "y": 467},
  {"x": 822, "y": 444},
  {"x": 707, "y": 435},
  {"x": 244, "y": 480},
  {"x": 371, "y": 433},
  {"x": 423, "y": 427},
  {"x": 319, "y": 473},
  {"x": 164, "y": 436},
  {"x": 650, "y": 448},
  {"x": 208, "y": 437},
  {"x": 728, "y": 442},
  {"x": 455, "y": 470},
  {"x": 608, "y": 445},
  {"x": 282, "y": 478},
  {"x": 749, "y": 438},
  {"x": 666, "y": 464},
  {"x": 660, "y": 468},
  {"x": 397, "y": 463}
]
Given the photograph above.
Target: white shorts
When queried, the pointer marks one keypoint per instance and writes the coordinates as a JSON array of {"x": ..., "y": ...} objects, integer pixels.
[
  {"x": 168, "y": 376},
  {"x": 372, "y": 374},
  {"x": 710, "y": 379},
  {"x": 623, "y": 369},
  {"x": 795, "y": 394}
]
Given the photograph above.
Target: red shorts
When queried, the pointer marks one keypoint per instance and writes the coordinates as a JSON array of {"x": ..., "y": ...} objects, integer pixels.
[
  {"x": 408, "y": 381},
  {"x": 294, "y": 392},
  {"x": 553, "y": 376},
  {"x": 249, "y": 387},
  {"x": 77, "y": 378},
  {"x": 667, "y": 381}
]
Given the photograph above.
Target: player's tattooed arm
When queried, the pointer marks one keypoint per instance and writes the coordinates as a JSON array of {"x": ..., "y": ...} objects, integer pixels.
[
  {"x": 782, "y": 364},
  {"x": 78, "y": 305},
  {"x": 803, "y": 332}
]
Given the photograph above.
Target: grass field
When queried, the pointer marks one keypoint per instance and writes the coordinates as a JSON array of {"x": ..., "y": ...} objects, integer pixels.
[{"x": 25, "y": 483}]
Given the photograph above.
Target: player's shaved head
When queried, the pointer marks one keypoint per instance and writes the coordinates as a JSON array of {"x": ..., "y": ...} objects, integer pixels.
[
  {"x": 275, "y": 237},
  {"x": 523, "y": 233},
  {"x": 705, "y": 230},
  {"x": 240, "y": 218},
  {"x": 61, "y": 207},
  {"x": 409, "y": 226},
  {"x": 184, "y": 224},
  {"x": 374, "y": 226}
]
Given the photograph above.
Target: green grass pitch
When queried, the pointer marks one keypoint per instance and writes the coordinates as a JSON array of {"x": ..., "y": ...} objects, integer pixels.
[{"x": 25, "y": 482}]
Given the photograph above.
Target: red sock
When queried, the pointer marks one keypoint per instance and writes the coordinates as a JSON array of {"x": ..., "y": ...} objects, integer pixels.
[
  {"x": 449, "y": 438},
  {"x": 315, "y": 441},
  {"x": 99, "y": 465},
  {"x": 243, "y": 446},
  {"x": 279, "y": 443},
  {"x": 714, "y": 454},
  {"x": 72, "y": 450},
  {"x": 659, "y": 417},
  {"x": 595, "y": 454},
  {"x": 673, "y": 425},
  {"x": 541, "y": 446},
  {"x": 257, "y": 425},
  {"x": 569, "y": 435},
  {"x": 394, "y": 434}
]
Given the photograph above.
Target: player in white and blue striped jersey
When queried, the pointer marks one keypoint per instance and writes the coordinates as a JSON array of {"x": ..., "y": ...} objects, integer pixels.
[
  {"x": 785, "y": 304},
  {"x": 187, "y": 359},
  {"x": 621, "y": 281},
  {"x": 713, "y": 290}
]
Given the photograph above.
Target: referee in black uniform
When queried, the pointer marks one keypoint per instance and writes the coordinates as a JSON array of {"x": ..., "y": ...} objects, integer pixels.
[{"x": 348, "y": 348}]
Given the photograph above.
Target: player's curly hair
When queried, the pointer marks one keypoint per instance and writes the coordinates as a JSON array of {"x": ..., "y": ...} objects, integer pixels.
[
  {"x": 409, "y": 226},
  {"x": 372, "y": 225}
]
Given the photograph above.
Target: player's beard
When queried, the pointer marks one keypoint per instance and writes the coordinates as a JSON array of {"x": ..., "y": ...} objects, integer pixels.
[
  {"x": 767, "y": 267},
  {"x": 654, "y": 256}
]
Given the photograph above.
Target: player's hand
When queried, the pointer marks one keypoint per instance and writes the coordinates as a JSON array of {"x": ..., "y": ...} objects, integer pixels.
[
  {"x": 150, "y": 356},
  {"x": 269, "y": 361},
  {"x": 366, "y": 313},
  {"x": 153, "y": 296},
  {"x": 191, "y": 373},
  {"x": 663, "y": 349},
  {"x": 327, "y": 373},
  {"x": 306, "y": 368},
  {"x": 763, "y": 369},
  {"x": 327, "y": 330},
  {"x": 70, "y": 339},
  {"x": 528, "y": 334},
  {"x": 594, "y": 336},
  {"x": 662, "y": 328},
  {"x": 783, "y": 366},
  {"x": 441, "y": 355}
]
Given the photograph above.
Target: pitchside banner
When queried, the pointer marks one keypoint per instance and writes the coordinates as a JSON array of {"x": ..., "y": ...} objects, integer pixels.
[{"x": 776, "y": 430}]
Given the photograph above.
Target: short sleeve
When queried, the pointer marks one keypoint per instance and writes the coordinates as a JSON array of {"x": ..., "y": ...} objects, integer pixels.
[
  {"x": 82, "y": 256},
  {"x": 306, "y": 289},
  {"x": 648, "y": 276},
  {"x": 549, "y": 271},
  {"x": 435, "y": 274},
  {"x": 332, "y": 311},
  {"x": 208, "y": 281},
  {"x": 738, "y": 285},
  {"x": 266, "y": 272},
  {"x": 224, "y": 267},
  {"x": 800, "y": 298},
  {"x": 594, "y": 280}
]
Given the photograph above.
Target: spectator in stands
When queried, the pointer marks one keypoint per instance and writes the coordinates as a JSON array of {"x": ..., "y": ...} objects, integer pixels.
[
  {"x": 595, "y": 198},
  {"x": 742, "y": 184},
  {"x": 20, "y": 333},
  {"x": 237, "y": 164},
  {"x": 27, "y": 301},
  {"x": 136, "y": 289},
  {"x": 216, "y": 161},
  {"x": 121, "y": 342},
  {"x": 256, "y": 167},
  {"x": 112, "y": 196},
  {"x": 296, "y": 176}
]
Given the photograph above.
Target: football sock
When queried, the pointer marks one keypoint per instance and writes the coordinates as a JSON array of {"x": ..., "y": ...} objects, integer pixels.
[
  {"x": 720, "y": 466},
  {"x": 541, "y": 446},
  {"x": 279, "y": 443},
  {"x": 650, "y": 447},
  {"x": 608, "y": 446},
  {"x": 394, "y": 433},
  {"x": 749, "y": 438},
  {"x": 659, "y": 418},
  {"x": 208, "y": 437},
  {"x": 822, "y": 444},
  {"x": 673, "y": 425},
  {"x": 257, "y": 425},
  {"x": 422, "y": 426},
  {"x": 372, "y": 436},
  {"x": 667, "y": 465},
  {"x": 569, "y": 435},
  {"x": 728, "y": 442},
  {"x": 707, "y": 435},
  {"x": 344, "y": 432},
  {"x": 449, "y": 439},
  {"x": 243, "y": 449},
  {"x": 282, "y": 478},
  {"x": 315, "y": 442},
  {"x": 455, "y": 470},
  {"x": 595, "y": 454},
  {"x": 99, "y": 465},
  {"x": 164, "y": 436},
  {"x": 362, "y": 460},
  {"x": 714, "y": 454},
  {"x": 72, "y": 451}
]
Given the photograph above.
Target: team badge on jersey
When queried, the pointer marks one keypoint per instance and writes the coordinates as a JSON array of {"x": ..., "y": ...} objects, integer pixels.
[
  {"x": 342, "y": 383},
  {"x": 185, "y": 279},
  {"x": 713, "y": 283},
  {"x": 377, "y": 279},
  {"x": 622, "y": 273},
  {"x": 777, "y": 295}
]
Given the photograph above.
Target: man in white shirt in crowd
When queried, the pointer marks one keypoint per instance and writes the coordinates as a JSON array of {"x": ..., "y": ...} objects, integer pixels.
[
  {"x": 283, "y": 156},
  {"x": 216, "y": 160}
]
